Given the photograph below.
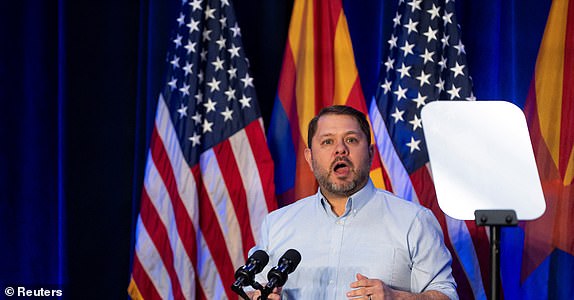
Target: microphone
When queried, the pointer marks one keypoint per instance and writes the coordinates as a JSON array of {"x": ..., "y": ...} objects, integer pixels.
[
  {"x": 245, "y": 275},
  {"x": 286, "y": 265}
]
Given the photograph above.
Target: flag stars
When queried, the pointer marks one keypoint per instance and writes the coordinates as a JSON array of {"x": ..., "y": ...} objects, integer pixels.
[
  {"x": 447, "y": 18},
  {"x": 414, "y": 145},
  {"x": 188, "y": 68},
  {"x": 196, "y": 4},
  {"x": 209, "y": 105},
  {"x": 397, "y": 20},
  {"x": 177, "y": 41},
  {"x": 411, "y": 26},
  {"x": 195, "y": 139},
  {"x": 196, "y": 118},
  {"x": 221, "y": 42},
  {"x": 415, "y": 4},
  {"x": 245, "y": 101},
  {"x": 407, "y": 48},
  {"x": 172, "y": 83},
  {"x": 230, "y": 93},
  {"x": 209, "y": 13},
  {"x": 398, "y": 115},
  {"x": 218, "y": 64},
  {"x": 181, "y": 19},
  {"x": 454, "y": 92},
  {"x": 232, "y": 73},
  {"x": 440, "y": 85},
  {"x": 193, "y": 25},
  {"x": 430, "y": 34},
  {"x": 442, "y": 63},
  {"x": 427, "y": 56},
  {"x": 404, "y": 70},
  {"x": 227, "y": 114},
  {"x": 247, "y": 81},
  {"x": 190, "y": 47},
  {"x": 185, "y": 90},
  {"x": 175, "y": 62},
  {"x": 423, "y": 78},
  {"x": 234, "y": 51},
  {"x": 393, "y": 41},
  {"x": 457, "y": 69},
  {"x": 182, "y": 111},
  {"x": 459, "y": 47},
  {"x": 206, "y": 36},
  {"x": 416, "y": 122},
  {"x": 434, "y": 12},
  {"x": 214, "y": 85},
  {"x": 223, "y": 22},
  {"x": 401, "y": 93},
  {"x": 198, "y": 97},
  {"x": 389, "y": 63},
  {"x": 206, "y": 126},
  {"x": 236, "y": 30},
  {"x": 444, "y": 40},
  {"x": 386, "y": 86},
  {"x": 420, "y": 100}
]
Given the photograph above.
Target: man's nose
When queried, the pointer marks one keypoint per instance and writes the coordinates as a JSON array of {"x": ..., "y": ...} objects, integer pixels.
[{"x": 341, "y": 148}]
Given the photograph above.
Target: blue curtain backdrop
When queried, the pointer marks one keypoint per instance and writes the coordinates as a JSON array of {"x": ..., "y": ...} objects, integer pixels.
[{"x": 78, "y": 86}]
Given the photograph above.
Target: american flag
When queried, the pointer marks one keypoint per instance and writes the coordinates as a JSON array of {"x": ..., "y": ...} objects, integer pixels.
[
  {"x": 426, "y": 62},
  {"x": 209, "y": 175}
]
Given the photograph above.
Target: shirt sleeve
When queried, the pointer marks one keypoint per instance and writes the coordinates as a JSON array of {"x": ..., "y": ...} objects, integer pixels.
[{"x": 431, "y": 260}]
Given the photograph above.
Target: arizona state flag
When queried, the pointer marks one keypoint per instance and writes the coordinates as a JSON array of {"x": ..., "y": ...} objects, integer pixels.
[
  {"x": 318, "y": 70},
  {"x": 548, "y": 257}
]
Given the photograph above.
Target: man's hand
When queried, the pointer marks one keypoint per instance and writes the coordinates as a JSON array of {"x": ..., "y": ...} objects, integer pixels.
[
  {"x": 275, "y": 295},
  {"x": 376, "y": 289},
  {"x": 372, "y": 289}
]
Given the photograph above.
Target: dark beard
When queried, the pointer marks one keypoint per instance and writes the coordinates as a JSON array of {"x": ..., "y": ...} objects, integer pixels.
[{"x": 343, "y": 189}]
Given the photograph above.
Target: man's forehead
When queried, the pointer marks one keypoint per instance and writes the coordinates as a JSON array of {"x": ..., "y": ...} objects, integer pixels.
[{"x": 337, "y": 124}]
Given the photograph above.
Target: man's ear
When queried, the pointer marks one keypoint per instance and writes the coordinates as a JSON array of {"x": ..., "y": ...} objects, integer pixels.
[
  {"x": 371, "y": 152},
  {"x": 309, "y": 157}
]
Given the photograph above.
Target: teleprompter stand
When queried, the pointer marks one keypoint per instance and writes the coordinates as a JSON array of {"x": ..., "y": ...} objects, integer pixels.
[
  {"x": 495, "y": 219},
  {"x": 483, "y": 167}
]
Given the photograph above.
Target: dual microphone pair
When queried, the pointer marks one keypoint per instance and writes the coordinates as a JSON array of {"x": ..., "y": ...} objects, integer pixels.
[{"x": 245, "y": 275}]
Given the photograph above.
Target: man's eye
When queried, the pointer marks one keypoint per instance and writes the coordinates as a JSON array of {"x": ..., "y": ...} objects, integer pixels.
[
  {"x": 351, "y": 140},
  {"x": 327, "y": 142}
]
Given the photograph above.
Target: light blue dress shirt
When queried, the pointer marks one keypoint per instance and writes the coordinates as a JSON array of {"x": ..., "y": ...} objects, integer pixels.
[{"x": 379, "y": 235}]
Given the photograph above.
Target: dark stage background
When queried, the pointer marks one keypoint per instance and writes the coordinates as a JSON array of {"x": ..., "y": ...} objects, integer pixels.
[{"x": 79, "y": 81}]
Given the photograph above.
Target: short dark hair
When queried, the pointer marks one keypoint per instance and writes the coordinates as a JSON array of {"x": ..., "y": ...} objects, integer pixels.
[{"x": 339, "y": 110}]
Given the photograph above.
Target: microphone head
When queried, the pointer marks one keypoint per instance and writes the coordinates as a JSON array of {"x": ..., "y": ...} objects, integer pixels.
[
  {"x": 262, "y": 258},
  {"x": 294, "y": 257}
]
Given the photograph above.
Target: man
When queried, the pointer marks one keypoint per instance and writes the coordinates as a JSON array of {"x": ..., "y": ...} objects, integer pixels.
[{"x": 356, "y": 241}]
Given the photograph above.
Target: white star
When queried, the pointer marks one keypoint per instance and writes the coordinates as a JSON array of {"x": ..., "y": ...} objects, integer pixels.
[
  {"x": 234, "y": 50},
  {"x": 199, "y": 97},
  {"x": 460, "y": 47},
  {"x": 414, "y": 145},
  {"x": 401, "y": 93},
  {"x": 454, "y": 92},
  {"x": 223, "y": 22},
  {"x": 397, "y": 20},
  {"x": 224, "y": 3},
  {"x": 442, "y": 63},
  {"x": 227, "y": 114},
  {"x": 457, "y": 69},
  {"x": 196, "y": 4},
  {"x": 420, "y": 100},
  {"x": 407, "y": 48},
  {"x": 412, "y": 26},
  {"x": 209, "y": 12},
  {"x": 232, "y": 73},
  {"x": 230, "y": 93},
  {"x": 181, "y": 19},
  {"x": 185, "y": 89},
  {"x": 427, "y": 56},
  {"x": 415, "y": 4},
  {"x": 424, "y": 78},
  {"x": 416, "y": 122},
  {"x": 434, "y": 12},
  {"x": 393, "y": 41},
  {"x": 440, "y": 85},
  {"x": 398, "y": 115},
  {"x": 430, "y": 34},
  {"x": 389, "y": 63},
  {"x": 193, "y": 25},
  {"x": 196, "y": 118},
  {"x": 200, "y": 76},
  {"x": 209, "y": 105},
  {"x": 218, "y": 64},
  {"x": 195, "y": 139},
  {"x": 236, "y": 30},
  {"x": 221, "y": 42},
  {"x": 471, "y": 97},
  {"x": 245, "y": 101},
  {"x": 446, "y": 18},
  {"x": 206, "y": 126},
  {"x": 214, "y": 84},
  {"x": 206, "y": 34},
  {"x": 247, "y": 81},
  {"x": 386, "y": 86},
  {"x": 173, "y": 83},
  {"x": 404, "y": 70},
  {"x": 444, "y": 40},
  {"x": 175, "y": 62},
  {"x": 190, "y": 46},
  {"x": 182, "y": 110},
  {"x": 188, "y": 68},
  {"x": 177, "y": 41},
  {"x": 203, "y": 54}
]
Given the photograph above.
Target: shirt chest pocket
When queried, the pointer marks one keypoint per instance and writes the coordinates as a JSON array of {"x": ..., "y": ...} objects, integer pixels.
[{"x": 391, "y": 265}]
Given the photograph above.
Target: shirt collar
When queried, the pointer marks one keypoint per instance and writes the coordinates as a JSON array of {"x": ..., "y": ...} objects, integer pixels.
[{"x": 354, "y": 203}]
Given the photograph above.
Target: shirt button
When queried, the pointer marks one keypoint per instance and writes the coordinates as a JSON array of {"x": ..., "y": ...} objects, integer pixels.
[
  {"x": 339, "y": 222},
  {"x": 331, "y": 281}
]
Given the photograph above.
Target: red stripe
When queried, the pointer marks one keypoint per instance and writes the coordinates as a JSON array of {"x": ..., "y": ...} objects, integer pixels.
[
  {"x": 213, "y": 235},
  {"x": 566, "y": 126},
  {"x": 263, "y": 161},
  {"x": 183, "y": 222},
  {"x": 234, "y": 184},
  {"x": 143, "y": 283},
  {"x": 158, "y": 234},
  {"x": 326, "y": 14},
  {"x": 424, "y": 188},
  {"x": 287, "y": 92}
]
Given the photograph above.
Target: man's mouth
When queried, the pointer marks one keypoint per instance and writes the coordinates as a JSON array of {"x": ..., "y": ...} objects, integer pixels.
[{"x": 341, "y": 167}]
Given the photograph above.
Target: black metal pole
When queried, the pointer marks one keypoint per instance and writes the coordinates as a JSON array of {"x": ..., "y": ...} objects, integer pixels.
[{"x": 494, "y": 261}]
